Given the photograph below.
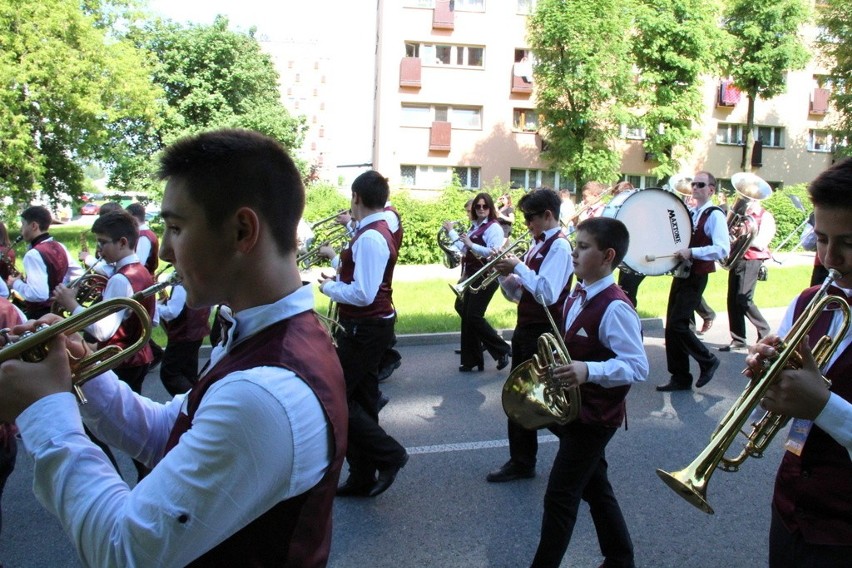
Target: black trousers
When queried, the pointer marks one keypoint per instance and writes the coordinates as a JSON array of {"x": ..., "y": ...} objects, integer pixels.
[
  {"x": 629, "y": 282},
  {"x": 788, "y": 550},
  {"x": 681, "y": 342},
  {"x": 742, "y": 279},
  {"x": 360, "y": 346},
  {"x": 580, "y": 472},
  {"x": 476, "y": 332},
  {"x": 523, "y": 443},
  {"x": 8, "y": 457},
  {"x": 179, "y": 368}
]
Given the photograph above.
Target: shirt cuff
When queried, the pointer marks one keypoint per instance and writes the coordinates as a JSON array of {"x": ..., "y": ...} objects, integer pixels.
[
  {"x": 834, "y": 414},
  {"x": 48, "y": 418}
]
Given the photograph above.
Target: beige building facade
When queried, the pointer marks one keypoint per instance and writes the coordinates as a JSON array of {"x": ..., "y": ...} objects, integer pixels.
[{"x": 454, "y": 94}]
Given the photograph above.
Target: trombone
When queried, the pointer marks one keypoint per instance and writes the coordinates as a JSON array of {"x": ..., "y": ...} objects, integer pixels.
[
  {"x": 488, "y": 272},
  {"x": 691, "y": 482},
  {"x": 32, "y": 346}
]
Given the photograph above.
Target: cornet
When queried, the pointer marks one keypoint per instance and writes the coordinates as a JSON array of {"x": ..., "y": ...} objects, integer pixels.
[
  {"x": 32, "y": 346},
  {"x": 691, "y": 482},
  {"x": 488, "y": 272}
]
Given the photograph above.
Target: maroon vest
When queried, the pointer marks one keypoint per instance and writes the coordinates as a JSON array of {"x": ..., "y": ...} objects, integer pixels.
[
  {"x": 55, "y": 258},
  {"x": 530, "y": 311},
  {"x": 153, "y": 259},
  {"x": 130, "y": 329},
  {"x": 9, "y": 316},
  {"x": 813, "y": 492},
  {"x": 7, "y": 261},
  {"x": 382, "y": 305},
  {"x": 754, "y": 253},
  {"x": 397, "y": 235},
  {"x": 470, "y": 262},
  {"x": 700, "y": 238},
  {"x": 191, "y": 324},
  {"x": 297, "y": 531},
  {"x": 603, "y": 406}
]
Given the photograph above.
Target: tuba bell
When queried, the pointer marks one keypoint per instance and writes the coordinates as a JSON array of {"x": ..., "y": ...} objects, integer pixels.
[
  {"x": 452, "y": 255},
  {"x": 691, "y": 482},
  {"x": 680, "y": 183},
  {"x": 531, "y": 395},
  {"x": 742, "y": 228}
]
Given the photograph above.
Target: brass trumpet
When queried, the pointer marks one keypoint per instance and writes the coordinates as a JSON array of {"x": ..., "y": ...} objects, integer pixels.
[
  {"x": 531, "y": 395},
  {"x": 32, "y": 346},
  {"x": 6, "y": 260},
  {"x": 488, "y": 273},
  {"x": 691, "y": 482},
  {"x": 334, "y": 237}
]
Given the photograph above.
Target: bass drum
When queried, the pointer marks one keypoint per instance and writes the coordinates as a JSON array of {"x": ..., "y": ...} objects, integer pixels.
[{"x": 659, "y": 224}]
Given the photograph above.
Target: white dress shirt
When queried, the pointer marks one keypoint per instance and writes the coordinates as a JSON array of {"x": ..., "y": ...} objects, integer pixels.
[
  {"x": 370, "y": 253},
  {"x": 836, "y": 416},
  {"x": 552, "y": 276},
  {"x": 171, "y": 308},
  {"x": 259, "y": 437},
  {"x": 716, "y": 226},
  {"x": 620, "y": 331},
  {"x": 493, "y": 238},
  {"x": 35, "y": 288},
  {"x": 118, "y": 286},
  {"x": 143, "y": 245}
]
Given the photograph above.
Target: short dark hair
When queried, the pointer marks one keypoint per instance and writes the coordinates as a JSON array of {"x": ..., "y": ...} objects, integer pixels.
[
  {"x": 608, "y": 233},
  {"x": 540, "y": 200},
  {"x": 109, "y": 207},
  {"x": 226, "y": 169},
  {"x": 373, "y": 189},
  {"x": 137, "y": 210},
  {"x": 833, "y": 187},
  {"x": 492, "y": 213},
  {"x": 118, "y": 224},
  {"x": 38, "y": 214}
]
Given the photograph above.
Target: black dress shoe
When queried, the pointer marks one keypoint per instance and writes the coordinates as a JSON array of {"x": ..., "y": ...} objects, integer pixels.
[
  {"x": 458, "y": 351},
  {"x": 510, "y": 471},
  {"x": 387, "y": 477},
  {"x": 383, "y": 401},
  {"x": 673, "y": 386},
  {"x": 708, "y": 373},
  {"x": 467, "y": 369},
  {"x": 737, "y": 346},
  {"x": 503, "y": 361},
  {"x": 355, "y": 487}
]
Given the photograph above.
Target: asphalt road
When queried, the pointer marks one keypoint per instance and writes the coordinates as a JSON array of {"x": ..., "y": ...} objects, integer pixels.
[{"x": 441, "y": 512}]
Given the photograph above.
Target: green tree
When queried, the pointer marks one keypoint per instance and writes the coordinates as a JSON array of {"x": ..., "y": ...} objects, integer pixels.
[
  {"x": 676, "y": 42},
  {"x": 584, "y": 82},
  {"x": 212, "y": 78},
  {"x": 766, "y": 45},
  {"x": 71, "y": 92},
  {"x": 835, "y": 44}
]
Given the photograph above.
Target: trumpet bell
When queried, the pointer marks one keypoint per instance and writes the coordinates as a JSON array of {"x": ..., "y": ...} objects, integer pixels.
[
  {"x": 690, "y": 488},
  {"x": 751, "y": 186}
]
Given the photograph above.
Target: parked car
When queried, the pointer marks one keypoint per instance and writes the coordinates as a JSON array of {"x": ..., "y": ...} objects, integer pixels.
[{"x": 89, "y": 209}]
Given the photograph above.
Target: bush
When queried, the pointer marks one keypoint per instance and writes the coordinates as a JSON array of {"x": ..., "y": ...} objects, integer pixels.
[{"x": 787, "y": 216}]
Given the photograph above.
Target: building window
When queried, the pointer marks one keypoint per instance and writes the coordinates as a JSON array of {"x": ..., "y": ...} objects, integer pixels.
[
  {"x": 820, "y": 141},
  {"x": 526, "y": 6},
  {"x": 770, "y": 136},
  {"x": 531, "y": 179},
  {"x": 729, "y": 134},
  {"x": 525, "y": 119},
  {"x": 468, "y": 177},
  {"x": 641, "y": 181},
  {"x": 420, "y": 3},
  {"x": 423, "y": 116},
  {"x": 408, "y": 175},
  {"x": 469, "y": 5},
  {"x": 632, "y": 132},
  {"x": 435, "y": 177},
  {"x": 446, "y": 54}
]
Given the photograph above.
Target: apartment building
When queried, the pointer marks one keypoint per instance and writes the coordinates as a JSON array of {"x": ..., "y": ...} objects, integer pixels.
[{"x": 454, "y": 93}]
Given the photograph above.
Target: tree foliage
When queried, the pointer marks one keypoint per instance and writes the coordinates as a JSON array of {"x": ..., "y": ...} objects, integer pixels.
[
  {"x": 213, "y": 77},
  {"x": 584, "y": 82},
  {"x": 676, "y": 42},
  {"x": 71, "y": 93},
  {"x": 835, "y": 43},
  {"x": 765, "y": 47}
]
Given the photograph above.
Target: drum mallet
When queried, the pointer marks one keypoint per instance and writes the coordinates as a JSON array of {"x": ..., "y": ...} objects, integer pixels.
[{"x": 652, "y": 258}]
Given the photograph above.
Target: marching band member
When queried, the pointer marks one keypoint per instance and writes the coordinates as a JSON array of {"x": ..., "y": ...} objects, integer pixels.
[
  {"x": 484, "y": 238},
  {"x": 710, "y": 242},
  {"x": 591, "y": 206},
  {"x": 811, "y": 511},
  {"x": 245, "y": 465},
  {"x": 363, "y": 291},
  {"x": 541, "y": 278},
  {"x": 604, "y": 339},
  {"x": 148, "y": 245},
  {"x": 742, "y": 280},
  {"x": 47, "y": 264},
  {"x": 186, "y": 329}
]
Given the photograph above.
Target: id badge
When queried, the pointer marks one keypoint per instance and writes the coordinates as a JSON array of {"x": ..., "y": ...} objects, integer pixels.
[{"x": 798, "y": 434}]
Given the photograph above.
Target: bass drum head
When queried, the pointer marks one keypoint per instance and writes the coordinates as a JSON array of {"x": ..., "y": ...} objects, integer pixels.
[{"x": 659, "y": 224}]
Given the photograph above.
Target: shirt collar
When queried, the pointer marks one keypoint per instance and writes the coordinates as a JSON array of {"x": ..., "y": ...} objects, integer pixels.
[
  {"x": 129, "y": 259},
  {"x": 593, "y": 290}
]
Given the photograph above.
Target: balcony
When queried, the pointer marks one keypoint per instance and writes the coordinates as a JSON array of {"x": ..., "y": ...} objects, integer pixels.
[
  {"x": 522, "y": 79},
  {"x": 439, "y": 136},
  {"x": 729, "y": 95},
  {"x": 819, "y": 101},
  {"x": 409, "y": 72},
  {"x": 443, "y": 17}
]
